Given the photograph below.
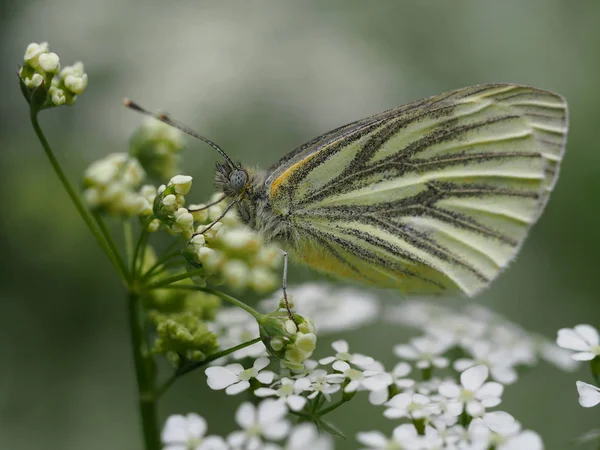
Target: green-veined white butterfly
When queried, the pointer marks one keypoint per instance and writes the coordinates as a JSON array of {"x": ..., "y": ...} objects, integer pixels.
[{"x": 434, "y": 196}]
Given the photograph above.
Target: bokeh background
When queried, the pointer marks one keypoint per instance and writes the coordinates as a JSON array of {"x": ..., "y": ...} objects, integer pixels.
[{"x": 261, "y": 77}]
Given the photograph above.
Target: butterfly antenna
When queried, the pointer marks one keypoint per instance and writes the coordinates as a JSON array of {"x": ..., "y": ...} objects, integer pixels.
[
  {"x": 181, "y": 127},
  {"x": 209, "y": 205},
  {"x": 219, "y": 218}
]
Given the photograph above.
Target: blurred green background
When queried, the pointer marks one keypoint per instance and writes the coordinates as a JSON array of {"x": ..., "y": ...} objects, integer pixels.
[{"x": 260, "y": 78}]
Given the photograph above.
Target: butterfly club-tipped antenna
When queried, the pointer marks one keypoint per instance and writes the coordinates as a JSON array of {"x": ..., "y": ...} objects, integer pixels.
[{"x": 164, "y": 118}]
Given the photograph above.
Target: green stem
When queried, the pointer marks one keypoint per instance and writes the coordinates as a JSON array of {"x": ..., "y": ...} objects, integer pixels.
[
  {"x": 111, "y": 243},
  {"x": 234, "y": 301},
  {"x": 175, "y": 278},
  {"x": 140, "y": 246},
  {"x": 83, "y": 212},
  {"x": 162, "y": 260},
  {"x": 128, "y": 236},
  {"x": 144, "y": 372},
  {"x": 332, "y": 407},
  {"x": 196, "y": 365}
]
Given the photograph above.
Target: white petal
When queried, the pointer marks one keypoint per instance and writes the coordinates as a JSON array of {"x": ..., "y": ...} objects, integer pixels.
[
  {"x": 261, "y": 363},
  {"x": 275, "y": 430},
  {"x": 400, "y": 401},
  {"x": 462, "y": 364},
  {"x": 265, "y": 377},
  {"x": 583, "y": 356},
  {"x": 196, "y": 425},
  {"x": 374, "y": 439},
  {"x": 405, "y": 432},
  {"x": 569, "y": 338},
  {"x": 352, "y": 386},
  {"x": 212, "y": 443},
  {"x": 219, "y": 378},
  {"x": 302, "y": 384},
  {"x": 475, "y": 409},
  {"x": 449, "y": 389},
  {"x": 327, "y": 360},
  {"x": 589, "y": 334},
  {"x": 377, "y": 382},
  {"x": 341, "y": 366},
  {"x": 473, "y": 378},
  {"x": 589, "y": 395},
  {"x": 394, "y": 413},
  {"x": 296, "y": 402},
  {"x": 175, "y": 430},
  {"x": 526, "y": 440},
  {"x": 501, "y": 422},
  {"x": 340, "y": 346},
  {"x": 405, "y": 351},
  {"x": 245, "y": 416},
  {"x": 265, "y": 392},
  {"x": 490, "y": 389},
  {"x": 236, "y": 388},
  {"x": 270, "y": 411},
  {"x": 378, "y": 397},
  {"x": 401, "y": 370}
]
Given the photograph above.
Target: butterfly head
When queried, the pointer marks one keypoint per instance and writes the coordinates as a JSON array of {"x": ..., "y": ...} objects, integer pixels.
[{"x": 232, "y": 179}]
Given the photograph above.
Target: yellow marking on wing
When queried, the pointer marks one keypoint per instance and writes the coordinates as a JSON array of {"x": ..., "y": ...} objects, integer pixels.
[{"x": 285, "y": 175}]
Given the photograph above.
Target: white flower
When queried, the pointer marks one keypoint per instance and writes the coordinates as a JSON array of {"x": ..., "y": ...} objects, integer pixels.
[
  {"x": 331, "y": 309},
  {"x": 266, "y": 420},
  {"x": 556, "y": 355},
  {"x": 398, "y": 375},
  {"x": 496, "y": 359},
  {"x": 405, "y": 437},
  {"x": 583, "y": 339},
  {"x": 343, "y": 354},
  {"x": 589, "y": 395},
  {"x": 425, "y": 350},
  {"x": 324, "y": 383},
  {"x": 500, "y": 430},
  {"x": 414, "y": 406},
  {"x": 306, "y": 436},
  {"x": 289, "y": 391},
  {"x": 234, "y": 379},
  {"x": 188, "y": 433},
  {"x": 234, "y": 326},
  {"x": 474, "y": 393},
  {"x": 371, "y": 380}
]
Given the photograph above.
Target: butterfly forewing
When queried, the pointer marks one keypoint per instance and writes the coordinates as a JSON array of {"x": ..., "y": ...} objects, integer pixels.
[{"x": 433, "y": 196}]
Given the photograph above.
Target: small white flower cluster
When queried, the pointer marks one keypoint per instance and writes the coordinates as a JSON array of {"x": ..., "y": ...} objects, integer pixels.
[
  {"x": 112, "y": 185},
  {"x": 584, "y": 340},
  {"x": 230, "y": 252},
  {"x": 169, "y": 206},
  {"x": 447, "y": 403},
  {"x": 43, "y": 66}
]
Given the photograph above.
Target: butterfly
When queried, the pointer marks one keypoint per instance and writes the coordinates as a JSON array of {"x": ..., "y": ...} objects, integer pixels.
[{"x": 436, "y": 196}]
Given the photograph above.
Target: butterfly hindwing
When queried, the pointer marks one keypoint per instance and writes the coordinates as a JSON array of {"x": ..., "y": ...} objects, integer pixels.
[{"x": 433, "y": 196}]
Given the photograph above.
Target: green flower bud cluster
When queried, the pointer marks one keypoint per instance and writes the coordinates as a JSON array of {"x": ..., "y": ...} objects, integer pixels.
[
  {"x": 291, "y": 342},
  {"x": 169, "y": 206},
  {"x": 229, "y": 252},
  {"x": 157, "y": 146},
  {"x": 44, "y": 84},
  {"x": 111, "y": 185}
]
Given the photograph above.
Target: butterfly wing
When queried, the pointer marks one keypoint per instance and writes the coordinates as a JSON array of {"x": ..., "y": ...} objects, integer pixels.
[{"x": 433, "y": 196}]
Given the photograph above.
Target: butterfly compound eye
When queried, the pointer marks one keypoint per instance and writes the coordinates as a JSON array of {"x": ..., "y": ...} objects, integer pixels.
[{"x": 238, "y": 179}]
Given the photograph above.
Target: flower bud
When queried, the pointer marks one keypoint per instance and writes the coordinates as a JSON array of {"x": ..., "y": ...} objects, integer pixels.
[{"x": 49, "y": 62}]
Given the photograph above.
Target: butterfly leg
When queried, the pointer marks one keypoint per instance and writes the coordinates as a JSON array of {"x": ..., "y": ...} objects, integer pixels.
[{"x": 284, "y": 287}]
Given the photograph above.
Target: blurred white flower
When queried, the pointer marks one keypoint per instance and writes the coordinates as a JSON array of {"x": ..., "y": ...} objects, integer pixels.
[
  {"x": 425, "y": 350},
  {"x": 589, "y": 395},
  {"x": 332, "y": 309},
  {"x": 371, "y": 380},
  {"x": 404, "y": 437},
  {"x": 234, "y": 326},
  {"x": 188, "y": 433},
  {"x": 288, "y": 391},
  {"x": 267, "y": 420},
  {"x": 324, "y": 383},
  {"x": 556, "y": 355},
  {"x": 306, "y": 436},
  {"x": 497, "y": 360},
  {"x": 474, "y": 392},
  {"x": 584, "y": 339},
  {"x": 500, "y": 430},
  {"x": 235, "y": 379},
  {"x": 343, "y": 354},
  {"x": 398, "y": 374},
  {"x": 414, "y": 406}
]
